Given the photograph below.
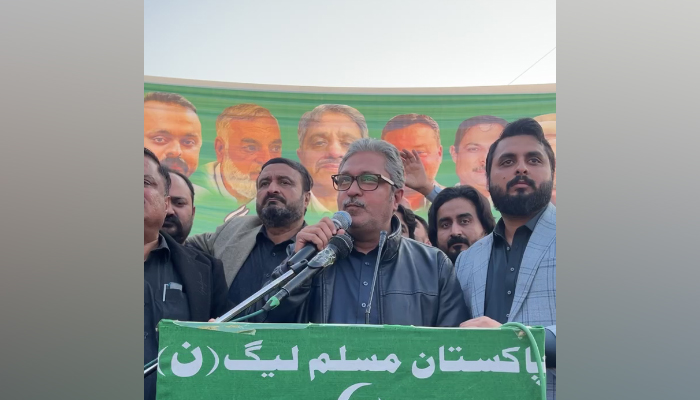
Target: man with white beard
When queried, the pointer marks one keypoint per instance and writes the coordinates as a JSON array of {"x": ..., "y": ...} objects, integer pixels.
[{"x": 247, "y": 136}]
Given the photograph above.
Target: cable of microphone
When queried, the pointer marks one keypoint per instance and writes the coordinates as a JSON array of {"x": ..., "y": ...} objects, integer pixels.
[
  {"x": 338, "y": 247},
  {"x": 341, "y": 220},
  {"x": 382, "y": 240}
]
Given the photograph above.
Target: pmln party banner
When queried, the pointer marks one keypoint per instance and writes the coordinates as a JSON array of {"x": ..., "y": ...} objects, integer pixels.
[
  {"x": 220, "y": 135},
  {"x": 294, "y": 361}
]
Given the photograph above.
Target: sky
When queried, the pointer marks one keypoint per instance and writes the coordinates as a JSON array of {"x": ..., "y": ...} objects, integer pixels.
[{"x": 360, "y": 43}]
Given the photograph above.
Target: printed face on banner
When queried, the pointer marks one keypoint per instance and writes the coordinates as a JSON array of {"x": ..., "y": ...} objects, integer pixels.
[
  {"x": 242, "y": 149},
  {"x": 549, "y": 126},
  {"x": 323, "y": 146},
  {"x": 422, "y": 138},
  {"x": 174, "y": 134},
  {"x": 470, "y": 155}
]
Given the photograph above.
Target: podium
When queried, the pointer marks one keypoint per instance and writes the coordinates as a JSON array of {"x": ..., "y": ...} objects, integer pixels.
[{"x": 308, "y": 361}]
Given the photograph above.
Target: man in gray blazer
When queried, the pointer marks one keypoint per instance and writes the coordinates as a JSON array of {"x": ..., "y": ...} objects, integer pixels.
[
  {"x": 510, "y": 275},
  {"x": 251, "y": 246}
]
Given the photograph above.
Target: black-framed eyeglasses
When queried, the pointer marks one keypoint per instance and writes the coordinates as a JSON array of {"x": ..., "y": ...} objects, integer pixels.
[{"x": 366, "y": 182}]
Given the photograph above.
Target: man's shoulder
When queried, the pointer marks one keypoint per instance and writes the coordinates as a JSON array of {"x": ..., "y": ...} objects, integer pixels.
[
  {"x": 475, "y": 252},
  {"x": 234, "y": 227},
  {"x": 415, "y": 247},
  {"x": 181, "y": 253}
]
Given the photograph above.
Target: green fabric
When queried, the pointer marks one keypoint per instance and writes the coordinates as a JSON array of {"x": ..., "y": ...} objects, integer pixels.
[
  {"x": 288, "y": 107},
  {"x": 404, "y": 350}
]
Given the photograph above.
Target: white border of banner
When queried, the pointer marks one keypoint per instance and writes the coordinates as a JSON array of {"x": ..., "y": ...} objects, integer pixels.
[{"x": 505, "y": 89}]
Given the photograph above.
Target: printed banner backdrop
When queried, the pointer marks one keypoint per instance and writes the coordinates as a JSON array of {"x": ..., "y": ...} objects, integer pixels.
[
  {"x": 222, "y": 145},
  {"x": 294, "y": 361}
]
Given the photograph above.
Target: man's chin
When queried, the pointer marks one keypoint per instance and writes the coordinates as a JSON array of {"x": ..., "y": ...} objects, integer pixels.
[{"x": 453, "y": 254}]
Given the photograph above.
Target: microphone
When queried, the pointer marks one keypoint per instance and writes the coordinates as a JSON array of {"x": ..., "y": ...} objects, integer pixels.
[
  {"x": 341, "y": 220},
  {"x": 338, "y": 247}
]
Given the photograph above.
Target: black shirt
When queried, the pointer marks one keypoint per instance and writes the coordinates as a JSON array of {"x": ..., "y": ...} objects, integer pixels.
[
  {"x": 353, "y": 282},
  {"x": 160, "y": 303},
  {"x": 257, "y": 268},
  {"x": 504, "y": 267}
]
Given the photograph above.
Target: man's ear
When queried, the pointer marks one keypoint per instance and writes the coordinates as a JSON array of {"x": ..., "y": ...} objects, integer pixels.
[
  {"x": 219, "y": 148},
  {"x": 397, "y": 197}
]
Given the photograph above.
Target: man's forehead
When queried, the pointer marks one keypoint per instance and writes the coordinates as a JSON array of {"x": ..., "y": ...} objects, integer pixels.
[
  {"x": 456, "y": 206},
  {"x": 489, "y": 132},
  {"x": 247, "y": 128},
  {"x": 330, "y": 118},
  {"x": 157, "y": 109},
  {"x": 414, "y": 133},
  {"x": 177, "y": 183},
  {"x": 365, "y": 162},
  {"x": 279, "y": 170},
  {"x": 520, "y": 144}
]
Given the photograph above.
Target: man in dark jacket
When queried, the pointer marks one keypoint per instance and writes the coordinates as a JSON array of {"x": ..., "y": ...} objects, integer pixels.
[
  {"x": 179, "y": 283},
  {"x": 415, "y": 284}
]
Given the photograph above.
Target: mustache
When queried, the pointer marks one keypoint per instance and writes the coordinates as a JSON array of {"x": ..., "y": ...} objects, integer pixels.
[
  {"x": 457, "y": 240},
  {"x": 520, "y": 179},
  {"x": 173, "y": 220},
  {"x": 353, "y": 202},
  {"x": 325, "y": 161},
  {"x": 274, "y": 197},
  {"x": 479, "y": 169},
  {"x": 175, "y": 162}
]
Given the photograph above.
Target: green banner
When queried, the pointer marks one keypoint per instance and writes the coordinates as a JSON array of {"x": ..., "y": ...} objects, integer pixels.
[
  {"x": 298, "y": 361},
  {"x": 224, "y": 138}
]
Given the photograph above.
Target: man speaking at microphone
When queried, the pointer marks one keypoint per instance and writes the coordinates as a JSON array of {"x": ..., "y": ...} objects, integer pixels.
[{"x": 415, "y": 283}]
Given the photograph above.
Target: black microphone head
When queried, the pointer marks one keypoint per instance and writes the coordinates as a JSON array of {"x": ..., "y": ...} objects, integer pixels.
[
  {"x": 343, "y": 243},
  {"x": 342, "y": 220}
]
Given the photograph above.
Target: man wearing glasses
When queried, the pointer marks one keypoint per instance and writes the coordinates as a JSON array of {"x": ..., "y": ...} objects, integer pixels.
[{"x": 415, "y": 283}]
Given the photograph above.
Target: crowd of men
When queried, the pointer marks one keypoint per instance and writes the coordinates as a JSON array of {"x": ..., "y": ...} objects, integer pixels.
[{"x": 461, "y": 268}]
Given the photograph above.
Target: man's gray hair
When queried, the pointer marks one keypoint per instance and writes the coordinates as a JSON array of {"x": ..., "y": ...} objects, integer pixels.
[
  {"x": 315, "y": 115},
  {"x": 394, "y": 165}
]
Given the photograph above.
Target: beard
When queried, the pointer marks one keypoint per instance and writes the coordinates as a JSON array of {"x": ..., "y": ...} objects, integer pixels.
[
  {"x": 238, "y": 181},
  {"x": 521, "y": 204},
  {"x": 174, "y": 227},
  {"x": 453, "y": 253},
  {"x": 280, "y": 215}
]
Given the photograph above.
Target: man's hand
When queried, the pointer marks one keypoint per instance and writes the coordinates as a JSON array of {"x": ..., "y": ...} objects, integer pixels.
[
  {"x": 319, "y": 234},
  {"x": 480, "y": 322},
  {"x": 414, "y": 172}
]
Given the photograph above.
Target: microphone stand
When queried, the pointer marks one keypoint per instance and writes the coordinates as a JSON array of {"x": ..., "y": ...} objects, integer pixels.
[{"x": 245, "y": 303}]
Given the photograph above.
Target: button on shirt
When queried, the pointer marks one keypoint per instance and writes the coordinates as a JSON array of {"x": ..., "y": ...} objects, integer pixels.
[
  {"x": 504, "y": 267},
  {"x": 353, "y": 282},
  {"x": 256, "y": 269},
  {"x": 158, "y": 272}
]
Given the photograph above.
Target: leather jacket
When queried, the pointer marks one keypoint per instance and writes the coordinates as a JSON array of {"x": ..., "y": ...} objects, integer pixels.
[{"x": 416, "y": 285}]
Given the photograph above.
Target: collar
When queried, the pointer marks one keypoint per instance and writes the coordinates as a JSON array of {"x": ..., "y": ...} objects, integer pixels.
[
  {"x": 500, "y": 228},
  {"x": 263, "y": 234},
  {"x": 393, "y": 240},
  {"x": 162, "y": 247}
]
